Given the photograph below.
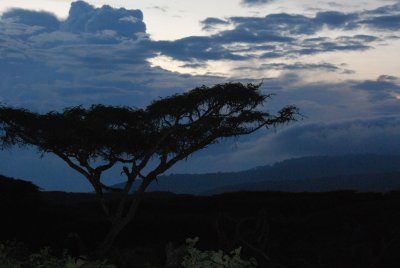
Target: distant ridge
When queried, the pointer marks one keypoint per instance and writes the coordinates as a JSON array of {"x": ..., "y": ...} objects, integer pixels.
[
  {"x": 312, "y": 173},
  {"x": 382, "y": 182},
  {"x": 10, "y": 185}
]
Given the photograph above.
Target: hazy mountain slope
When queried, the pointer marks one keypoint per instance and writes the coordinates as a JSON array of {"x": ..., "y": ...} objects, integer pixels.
[
  {"x": 327, "y": 166},
  {"x": 383, "y": 182},
  {"x": 305, "y": 168}
]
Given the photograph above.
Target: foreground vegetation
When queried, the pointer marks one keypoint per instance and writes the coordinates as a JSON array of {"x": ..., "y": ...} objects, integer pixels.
[
  {"x": 16, "y": 255},
  {"x": 321, "y": 230}
]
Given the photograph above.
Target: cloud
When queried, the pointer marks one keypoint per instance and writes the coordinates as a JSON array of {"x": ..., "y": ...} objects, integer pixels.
[
  {"x": 279, "y": 24},
  {"x": 109, "y": 48},
  {"x": 335, "y": 19},
  {"x": 195, "y": 48},
  {"x": 360, "y": 136},
  {"x": 97, "y": 55},
  {"x": 45, "y": 20},
  {"x": 160, "y": 8},
  {"x": 319, "y": 45},
  {"x": 212, "y": 23},
  {"x": 383, "y": 87},
  {"x": 194, "y": 65},
  {"x": 255, "y": 2},
  {"x": 272, "y": 45},
  {"x": 376, "y": 135},
  {"x": 385, "y": 10},
  {"x": 383, "y": 83},
  {"x": 297, "y": 66},
  {"x": 296, "y": 24},
  {"x": 287, "y": 35},
  {"x": 84, "y": 18},
  {"x": 382, "y": 18},
  {"x": 390, "y": 23}
]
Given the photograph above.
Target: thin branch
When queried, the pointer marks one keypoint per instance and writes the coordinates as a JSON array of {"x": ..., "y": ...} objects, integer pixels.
[
  {"x": 95, "y": 181},
  {"x": 105, "y": 166},
  {"x": 131, "y": 177},
  {"x": 72, "y": 164}
]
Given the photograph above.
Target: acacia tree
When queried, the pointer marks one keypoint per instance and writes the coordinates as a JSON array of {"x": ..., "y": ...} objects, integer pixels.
[{"x": 93, "y": 140}]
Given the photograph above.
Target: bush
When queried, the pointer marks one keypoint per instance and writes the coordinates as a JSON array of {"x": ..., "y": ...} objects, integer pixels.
[
  {"x": 14, "y": 255},
  {"x": 196, "y": 258}
]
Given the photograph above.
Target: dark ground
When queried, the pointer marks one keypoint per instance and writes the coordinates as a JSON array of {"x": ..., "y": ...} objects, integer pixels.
[{"x": 336, "y": 229}]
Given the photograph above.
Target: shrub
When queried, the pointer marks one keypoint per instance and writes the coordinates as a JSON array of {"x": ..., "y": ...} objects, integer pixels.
[
  {"x": 13, "y": 255},
  {"x": 196, "y": 258}
]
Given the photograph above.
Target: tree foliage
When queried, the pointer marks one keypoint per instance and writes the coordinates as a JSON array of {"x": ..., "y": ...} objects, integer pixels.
[{"x": 92, "y": 140}]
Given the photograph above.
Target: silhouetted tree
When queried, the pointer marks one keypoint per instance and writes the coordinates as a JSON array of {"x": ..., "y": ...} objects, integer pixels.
[{"x": 93, "y": 140}]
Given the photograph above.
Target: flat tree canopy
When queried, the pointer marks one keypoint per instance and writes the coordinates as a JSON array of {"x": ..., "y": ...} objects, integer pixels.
[{"x": 92, "y": 140}]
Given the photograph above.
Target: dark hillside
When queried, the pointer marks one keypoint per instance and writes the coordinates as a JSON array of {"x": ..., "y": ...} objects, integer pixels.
[
  {"x": 333, "y": 229},
  {"x": 11, "y": 186},
  {"x": 19, "y": 203}
]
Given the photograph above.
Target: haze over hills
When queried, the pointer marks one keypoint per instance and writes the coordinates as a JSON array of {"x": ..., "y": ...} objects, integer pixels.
[
  {"x": 378, "y": 173},
  {"x": 365, "y": 173}
]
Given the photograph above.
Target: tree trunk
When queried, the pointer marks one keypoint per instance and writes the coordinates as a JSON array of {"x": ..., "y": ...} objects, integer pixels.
[
  {"x": 116, "y": 227},
  {"x": 109, "y": 239}
]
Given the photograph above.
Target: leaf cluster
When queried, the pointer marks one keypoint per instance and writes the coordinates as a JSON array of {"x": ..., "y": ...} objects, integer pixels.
[{"x": 175, "y": 125}]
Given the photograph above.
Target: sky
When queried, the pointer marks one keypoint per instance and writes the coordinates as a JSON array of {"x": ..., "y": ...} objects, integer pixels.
[{"x": 338, "y": 61}]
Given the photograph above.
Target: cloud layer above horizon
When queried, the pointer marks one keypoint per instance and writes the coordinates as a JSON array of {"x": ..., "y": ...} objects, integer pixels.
[
  {"x": 96, "y": 55},
  {"x": 105, "y": 55}
]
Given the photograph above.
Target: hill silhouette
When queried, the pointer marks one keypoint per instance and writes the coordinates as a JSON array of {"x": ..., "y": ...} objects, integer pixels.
[
  {"x": 313, "y": 173},
  {"x": 340, "y": 228}
]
